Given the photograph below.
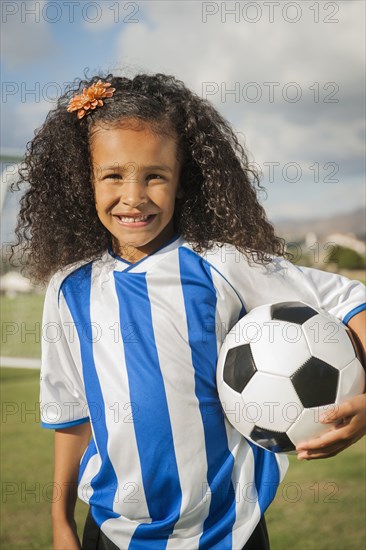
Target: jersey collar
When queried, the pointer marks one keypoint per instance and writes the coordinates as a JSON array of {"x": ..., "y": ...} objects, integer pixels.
[{"x": 142, "y": 265}]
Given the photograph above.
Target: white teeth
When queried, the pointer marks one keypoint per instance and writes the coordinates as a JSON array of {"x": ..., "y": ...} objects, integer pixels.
[{"x": 133, "y": 220}]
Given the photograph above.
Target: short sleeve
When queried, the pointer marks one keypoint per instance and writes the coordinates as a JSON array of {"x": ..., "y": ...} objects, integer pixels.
[
  {"x": 62, "y": 395},
  {"x": 279, "y": 281},
  {"x": 341, "y": 296}
]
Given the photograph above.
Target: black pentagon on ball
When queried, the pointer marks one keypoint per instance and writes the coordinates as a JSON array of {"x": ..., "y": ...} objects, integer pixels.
[
  {"x": 277, "y": 442},
  {"x": 316, "y": 383},
  {"x": 292, "y": 312},
  {"x": 239, "y": 367}
]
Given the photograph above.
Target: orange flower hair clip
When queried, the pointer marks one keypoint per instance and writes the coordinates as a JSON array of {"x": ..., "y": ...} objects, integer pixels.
[{"x": 90, "y": 98}]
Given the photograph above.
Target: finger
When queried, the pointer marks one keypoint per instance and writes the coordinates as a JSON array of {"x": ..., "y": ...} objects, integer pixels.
[
  {"x": 324, "y": 452},
  {"x": 327, "y": 452},
  {"x": 337, "y": 412},
  {"x": 339, "y": 433}
]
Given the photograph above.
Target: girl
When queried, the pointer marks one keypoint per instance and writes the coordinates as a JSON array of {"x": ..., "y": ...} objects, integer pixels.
[{"x": 143, "y": 209}]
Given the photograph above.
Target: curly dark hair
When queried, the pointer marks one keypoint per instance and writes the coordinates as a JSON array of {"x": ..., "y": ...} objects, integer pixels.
[{"x": 58, "y": 224}]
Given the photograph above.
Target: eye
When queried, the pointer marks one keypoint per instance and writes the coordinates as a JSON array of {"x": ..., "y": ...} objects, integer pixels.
[
  {"x": 154, "y": 176},
  {"x": 112, "y": 176}
]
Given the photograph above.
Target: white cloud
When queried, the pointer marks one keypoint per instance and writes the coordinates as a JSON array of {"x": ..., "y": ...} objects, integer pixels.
[
  {"x": 272, "y": 139},
  {"x": 172, "y": 39},
  {"x": 292, "y": 201},
  {"x": 173, "y": 35},
  {"x": 99, "y": 16},
  {"x": 27, "y": 117},
  {"x": 26, "y": 35}
]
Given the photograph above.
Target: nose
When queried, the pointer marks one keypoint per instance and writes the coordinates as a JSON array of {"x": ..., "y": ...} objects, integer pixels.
[{"x": 133, "y": 193}]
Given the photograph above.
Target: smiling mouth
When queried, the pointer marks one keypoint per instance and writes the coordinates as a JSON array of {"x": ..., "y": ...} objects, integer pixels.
[{"x": 134, "y": 219}]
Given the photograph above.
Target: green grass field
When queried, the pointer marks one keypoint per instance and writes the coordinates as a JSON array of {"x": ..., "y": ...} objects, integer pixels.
[
  {"x": 26, "y": 465},
  {"x": 21, "y": 319},
  {"x": 320, "y": 504}
]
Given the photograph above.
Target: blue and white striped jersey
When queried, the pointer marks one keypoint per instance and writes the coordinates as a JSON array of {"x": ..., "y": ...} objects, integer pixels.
[{"x": 133, "y": 347}]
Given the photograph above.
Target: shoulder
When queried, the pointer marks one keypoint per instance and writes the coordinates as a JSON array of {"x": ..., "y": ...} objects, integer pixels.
[
  {"x": 73, "y": 275},
  {"x": 257, "y": 283},
  {"x": 76, "y": 269},
  {"x": 227, "y": 258}
]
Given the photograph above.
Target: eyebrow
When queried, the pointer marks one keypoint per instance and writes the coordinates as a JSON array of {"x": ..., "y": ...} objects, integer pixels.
[{"x": 116, "y": 167}]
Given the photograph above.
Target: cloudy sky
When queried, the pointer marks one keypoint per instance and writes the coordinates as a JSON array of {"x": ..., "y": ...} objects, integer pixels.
[{"x": 289, "y": 76}]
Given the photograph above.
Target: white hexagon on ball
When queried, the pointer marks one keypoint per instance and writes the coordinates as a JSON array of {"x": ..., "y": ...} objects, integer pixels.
[
  {"x": 308, "y": 425},
  {"x": 328, "y": 340},
  {"x": 281, "y": 349},
  {"x": 351, "y": 381},
  {"x": 270, "y": 398}
]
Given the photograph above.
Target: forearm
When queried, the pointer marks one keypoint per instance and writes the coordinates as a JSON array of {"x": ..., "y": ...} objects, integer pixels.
[
  {"x": 69, "y": 445},
  {"x": 357, "y": 324}
]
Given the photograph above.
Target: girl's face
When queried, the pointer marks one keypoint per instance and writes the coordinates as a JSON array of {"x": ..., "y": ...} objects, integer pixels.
[{"x": 135, "y": 173}]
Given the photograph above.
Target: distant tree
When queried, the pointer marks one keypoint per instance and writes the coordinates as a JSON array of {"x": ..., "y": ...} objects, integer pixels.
[{"x": 346, "y": 258}]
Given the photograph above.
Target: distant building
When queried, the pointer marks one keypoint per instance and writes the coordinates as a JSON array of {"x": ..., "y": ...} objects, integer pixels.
[
  {"x": 310, "y": 239},
  {"x": 13, "y": 283}
]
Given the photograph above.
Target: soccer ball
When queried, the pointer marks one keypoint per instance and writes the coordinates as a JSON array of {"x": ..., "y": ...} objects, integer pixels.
[{"x": 280, "y": 367}]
